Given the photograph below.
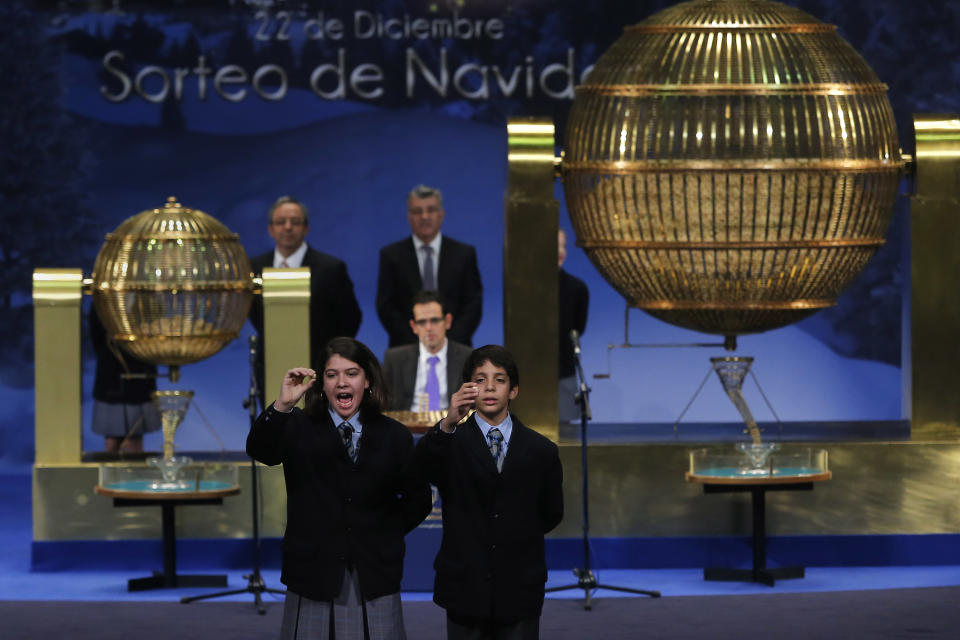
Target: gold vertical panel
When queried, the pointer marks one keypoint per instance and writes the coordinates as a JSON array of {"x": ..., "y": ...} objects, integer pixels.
[
  {"x": 286, "y": 324},
  {"x": 935, "y": 279},
  {"x": 530, "y": 271},
  {"x": 58, "y": 426}
]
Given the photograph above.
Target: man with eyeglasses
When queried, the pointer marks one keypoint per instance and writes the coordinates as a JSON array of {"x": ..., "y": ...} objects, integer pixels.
[
  {"x": 428, "y": 261},
  {"x": 334, "y": 310},
  {"x": 423, "y": 376}
]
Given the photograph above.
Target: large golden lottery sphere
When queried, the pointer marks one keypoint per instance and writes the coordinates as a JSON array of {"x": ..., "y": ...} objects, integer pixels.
[
  {"x": 172, "y": 285},
  {"x": 731, "y": 165}
]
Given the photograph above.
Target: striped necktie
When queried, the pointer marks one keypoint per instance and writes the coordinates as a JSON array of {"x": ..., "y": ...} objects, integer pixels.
[
  {"x": 429, "y": 281},
  {"x": 495, "y": 438},
  {"x": 346, "y": 432}
]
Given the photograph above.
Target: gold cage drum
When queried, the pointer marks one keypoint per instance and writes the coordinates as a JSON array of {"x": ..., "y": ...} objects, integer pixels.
[
  {"x": 731, "y": 165},
  {"x": 172, "y": 285}
]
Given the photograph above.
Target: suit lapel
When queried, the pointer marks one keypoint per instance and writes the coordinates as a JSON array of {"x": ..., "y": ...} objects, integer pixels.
[
  {"x": 444, "y": 266},
  {"x": 408, "y": 368},
  {"x": 329, "y": 436},
  {"x": 329, "y": 448},
  {"x": 478, "y": 445},
  {"x": 308, "y": 257},
  {"x": 370, "y": 441},
  {"x": 259, "y": 262},
  {"x": 519, "y": 441},
  {"x": 410, "y": 265},
  {"x": 454, "y": 371}
]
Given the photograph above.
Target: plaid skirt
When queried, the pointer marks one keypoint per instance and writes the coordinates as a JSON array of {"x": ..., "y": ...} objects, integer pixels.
[{"x": 342, "y": 619}]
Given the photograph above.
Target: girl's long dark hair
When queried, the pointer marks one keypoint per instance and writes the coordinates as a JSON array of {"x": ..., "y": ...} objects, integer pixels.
[{"x": 374, "y": 398}]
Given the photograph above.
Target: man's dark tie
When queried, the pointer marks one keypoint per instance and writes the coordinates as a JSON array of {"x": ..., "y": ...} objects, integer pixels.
[
  {"x": 429, "y": 281},
  {"x": 495, "y": 438},
  {"x": 346, "y": 432}
]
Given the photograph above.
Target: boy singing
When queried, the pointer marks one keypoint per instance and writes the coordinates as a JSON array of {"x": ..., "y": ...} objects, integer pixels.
[{"x": 501, "y": 488}]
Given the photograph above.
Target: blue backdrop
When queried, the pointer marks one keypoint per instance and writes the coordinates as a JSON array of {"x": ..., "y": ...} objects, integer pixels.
[{"x": 346, "y": 105}]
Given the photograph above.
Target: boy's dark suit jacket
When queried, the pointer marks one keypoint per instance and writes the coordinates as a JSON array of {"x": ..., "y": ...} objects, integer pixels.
[
  {"x": 491, "y": 561},
  {"x": 400, "y": 371},
  {"x": 458, "y": 281},
  {"x": 339, "y": 512},
  {"x": 333, "y": 306}
]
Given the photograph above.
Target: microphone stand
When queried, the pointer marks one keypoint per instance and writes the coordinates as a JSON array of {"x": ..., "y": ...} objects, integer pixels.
[
  {"x": 255, "y": 583},
  {"x": 585, "y": 578}
]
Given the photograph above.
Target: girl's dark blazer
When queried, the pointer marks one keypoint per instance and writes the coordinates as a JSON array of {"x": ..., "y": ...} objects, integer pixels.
[{"x": 342, "y": 514}]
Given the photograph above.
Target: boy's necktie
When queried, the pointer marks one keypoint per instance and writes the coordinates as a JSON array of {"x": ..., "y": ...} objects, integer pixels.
[{"x": 495, "y": 438}]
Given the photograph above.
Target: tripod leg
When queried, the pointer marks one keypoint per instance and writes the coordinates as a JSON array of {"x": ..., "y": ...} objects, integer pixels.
[
  {"x": 642, "y": 592},
  {"x": 257, "y": 585},
  {"x": 219, "y": 594}
]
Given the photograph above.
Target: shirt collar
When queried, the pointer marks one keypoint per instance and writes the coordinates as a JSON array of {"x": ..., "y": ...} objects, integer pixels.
[
  {"x": 506, "y": 427},
  {"x": 434, "y": 244},
  {"x": 295, "y": 259},
  {"x": 354, "y": 420},
  {"x": 442, "y": 353}
]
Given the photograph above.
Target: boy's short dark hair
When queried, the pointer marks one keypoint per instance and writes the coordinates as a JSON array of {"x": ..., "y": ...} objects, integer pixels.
[
  {"x": 498, "y": 357},
  {"x": 426, "y": 297}
]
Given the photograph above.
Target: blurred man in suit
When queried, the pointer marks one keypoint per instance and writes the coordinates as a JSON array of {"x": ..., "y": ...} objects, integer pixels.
[
  {"x": 428, "y": 261},
  {"x": 573, "y": 298},
  {"x": 333, "y": 306},
  {"x": 423, "y": 376}
]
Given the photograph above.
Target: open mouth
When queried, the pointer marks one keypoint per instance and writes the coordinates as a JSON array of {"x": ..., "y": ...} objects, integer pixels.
[{"x": 344, "y": 400}]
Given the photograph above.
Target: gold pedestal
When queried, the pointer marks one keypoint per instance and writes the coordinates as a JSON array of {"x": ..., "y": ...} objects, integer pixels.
[
  {"x": 934, "y": 278},
  {"x": 286, "y": 321},
  {"x": 530, "y": 308},
  {"x": 58, "y": 426}
]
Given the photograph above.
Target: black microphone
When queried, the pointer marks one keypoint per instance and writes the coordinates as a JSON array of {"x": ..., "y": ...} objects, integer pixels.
[{"x": 575, "y": 337}]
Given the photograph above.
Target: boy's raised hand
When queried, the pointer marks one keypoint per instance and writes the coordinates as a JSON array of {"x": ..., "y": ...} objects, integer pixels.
[
  {"x": 461, "y": 402},
  {"x": 296, "y": 381}
]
